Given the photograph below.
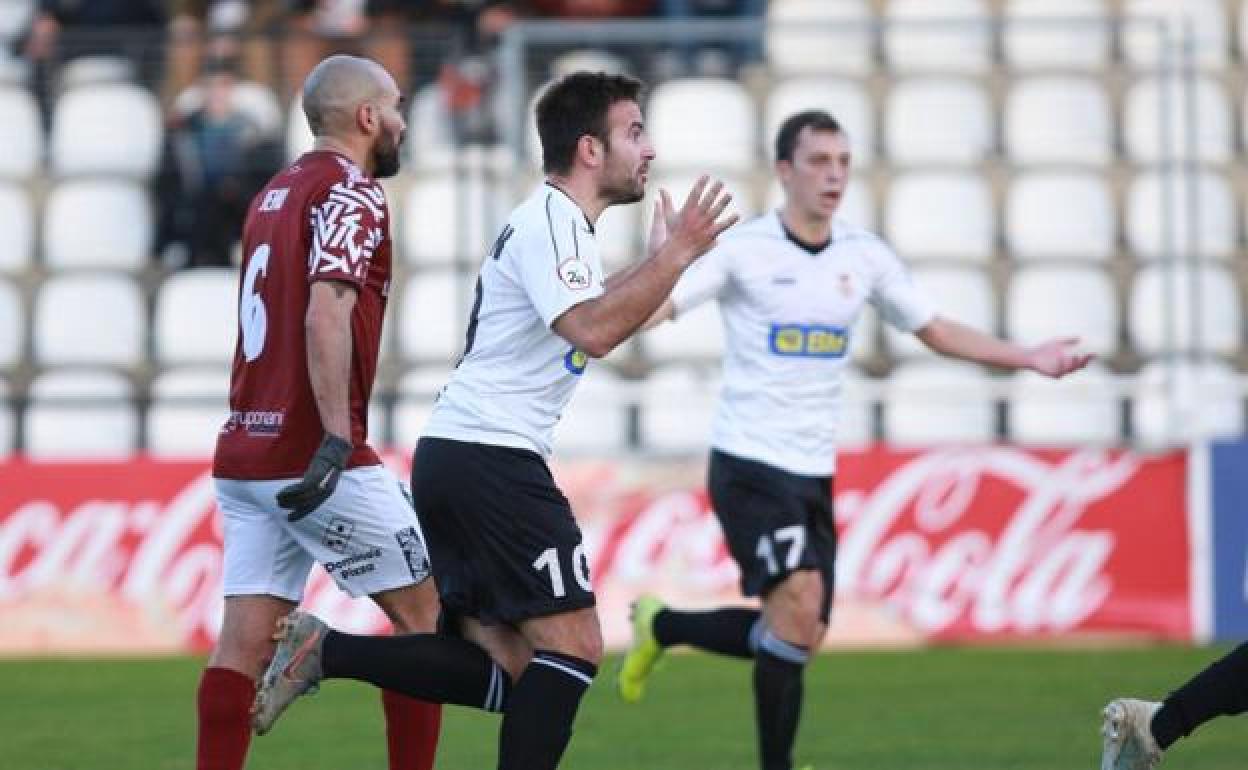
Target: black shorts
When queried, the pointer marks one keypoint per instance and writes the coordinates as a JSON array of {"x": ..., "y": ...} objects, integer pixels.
[
  {"x": 502, "y": 540},
  {"x": 775, "y": 523}
]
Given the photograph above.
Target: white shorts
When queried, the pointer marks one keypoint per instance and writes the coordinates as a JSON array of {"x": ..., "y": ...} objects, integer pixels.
[{"x": 365, "y": 535}]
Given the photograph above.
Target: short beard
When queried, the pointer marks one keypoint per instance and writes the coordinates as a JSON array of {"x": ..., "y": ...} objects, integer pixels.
[
  {"x": 622, "y": 194},
  {"x": 385, "y": 161}
]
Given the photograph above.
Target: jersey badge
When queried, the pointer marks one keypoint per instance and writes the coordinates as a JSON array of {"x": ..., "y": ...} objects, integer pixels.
[
  {"x": 847, "y": 286},
  {"x": 576, "y": 274},
  {"x": 575, "y": 361}
]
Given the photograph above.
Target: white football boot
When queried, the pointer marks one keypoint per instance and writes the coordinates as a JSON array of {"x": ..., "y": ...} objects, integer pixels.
[{"x": 1127, "y": 741}]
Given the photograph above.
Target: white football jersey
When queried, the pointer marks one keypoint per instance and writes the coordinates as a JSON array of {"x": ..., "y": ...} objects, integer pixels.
[
  {"x": 517, "y": 375},
  {"x": 788, "y": 316}
]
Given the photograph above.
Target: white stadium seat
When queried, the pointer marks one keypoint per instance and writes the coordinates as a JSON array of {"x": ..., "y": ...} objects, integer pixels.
[
  {"x": 1164, "y": 299},
  {"x": 939, "y": 121},
  {"x": 961, "y": 293},
  {"x": 845, "y": 100},
  {"x": 941, "y": 215},
  {"x": 21, "y": 134},
  {"x": 1143, "y": 45},
  {"x": 697, "y": 334},
  {"x": 450, "y": 216},
  {"x": 857, "y": 207},
  {"x": 1057, "y": 215},
  {"x": 196, "y": 317},
  {"x": 17, "y": 228},
  {"x": 703, "y": 122},
  {"x": 679, "y": 184},
  {"x": 430, "y": 141},
  {"x": 188, "y": 408},
  {"x": 12, "y": 326},
  {"x": 677, "y": 406},
  {"x": 1043, "y": 303},
  {"x": 97, "y": 223},
  {"x": 939, "y": 401},
  {"x": 1214, "y": 208},
  {"x": 622, "y": 233},
  {"x": 80, "y": 414},
  {"x": 89, "y": 318},
  {"x": 938, "y": 35},
  {"x": 1058, "y": 119},
  {"x": 1065, "y": 34},
  {"x": 112, "y": 128},
  {"x": 1145, "y": 126},
  {"x": 8, "y": 423},
  {"x": 818, "y": 36},
  {"x": 1208, "y": 400},
  {"x": 596, "y": 420},
  {"x": 299, "y": 137},
  {"x": 1081, "y": 408},
  {"x": 416, "y": 391},
  {"x": 433, "y": 314},
  {"x": 255, "y": 100}
]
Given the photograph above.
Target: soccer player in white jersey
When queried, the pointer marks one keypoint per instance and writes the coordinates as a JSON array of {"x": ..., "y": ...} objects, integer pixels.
[
  {"x": 790, "y": 285},
  {"x": 507, "y": 554}
]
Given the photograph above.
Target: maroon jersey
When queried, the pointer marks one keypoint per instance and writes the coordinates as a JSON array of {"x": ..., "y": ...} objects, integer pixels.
[{"x": 322, "y": 219}]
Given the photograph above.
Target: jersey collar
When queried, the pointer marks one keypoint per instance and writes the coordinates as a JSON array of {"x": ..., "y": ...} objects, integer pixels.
[
  {"x": 813, "y": 249},
  {"x": 589, "y": 225}
]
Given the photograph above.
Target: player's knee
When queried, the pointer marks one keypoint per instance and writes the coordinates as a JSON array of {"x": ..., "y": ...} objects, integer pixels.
[
  {"x": 244, "y": 649},
  {"x": 795, "y": 606}
]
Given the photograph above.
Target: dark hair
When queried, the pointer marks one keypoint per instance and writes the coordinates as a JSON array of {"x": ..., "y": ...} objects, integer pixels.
[
  {"x": 576, "y": 105},
  {"x": 786, "y": 137}
]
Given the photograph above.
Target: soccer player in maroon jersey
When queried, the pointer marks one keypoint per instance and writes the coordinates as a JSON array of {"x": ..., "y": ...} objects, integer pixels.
[{"x": 295, "y": 478}]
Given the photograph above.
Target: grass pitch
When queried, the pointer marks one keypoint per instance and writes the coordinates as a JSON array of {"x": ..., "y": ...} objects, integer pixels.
[{"x": 941, "y": 709}]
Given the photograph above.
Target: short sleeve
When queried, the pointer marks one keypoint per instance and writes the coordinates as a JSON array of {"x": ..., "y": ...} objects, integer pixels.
[
  {"x": 348, "y": 226},
  {"x": 894, "y": 294},
  {"x": 704, "y": 280},
  {"x": 558, "y": 265}
]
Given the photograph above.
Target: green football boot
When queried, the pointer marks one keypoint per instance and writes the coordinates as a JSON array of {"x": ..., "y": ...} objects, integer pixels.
[{"x": 644, "y": 652}]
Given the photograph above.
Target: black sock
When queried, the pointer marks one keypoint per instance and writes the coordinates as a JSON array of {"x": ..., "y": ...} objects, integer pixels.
[
  {"x": 727, "y": 631},
  {"x": 1219, "y": 690},
  {"x": 537, "y": 724},
  {"x": 432, "y": 667},
  {"x": 778, "y": 668}
]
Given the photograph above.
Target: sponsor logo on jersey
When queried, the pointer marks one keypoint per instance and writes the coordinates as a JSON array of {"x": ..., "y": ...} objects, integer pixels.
[
  {"x": 808, "y": 340},
  {"x": 273, "y": 199},
  {"x": 575, "y": 361},
  {"x": 256, "y": 423},
  {"x": 576, "y": 274}
]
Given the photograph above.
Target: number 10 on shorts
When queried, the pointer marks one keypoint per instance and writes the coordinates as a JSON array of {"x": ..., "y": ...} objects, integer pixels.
[{"x": 549, "y": 560}]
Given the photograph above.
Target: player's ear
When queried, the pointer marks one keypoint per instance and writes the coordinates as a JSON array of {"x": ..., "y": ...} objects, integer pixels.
[
  {"x": 784, "y": 171},
  {"x": 590, "y": 150}
]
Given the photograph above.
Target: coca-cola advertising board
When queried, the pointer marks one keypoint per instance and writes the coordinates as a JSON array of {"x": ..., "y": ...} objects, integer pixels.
[{"x": 970, "y": 544}]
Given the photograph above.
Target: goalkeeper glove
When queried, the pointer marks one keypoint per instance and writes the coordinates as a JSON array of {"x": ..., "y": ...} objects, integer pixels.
[{"x": 319, "y": 480}]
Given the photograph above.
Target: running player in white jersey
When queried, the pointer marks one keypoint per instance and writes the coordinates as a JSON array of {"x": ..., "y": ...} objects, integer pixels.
[
  {"x": 506, "y": 551},
  {"x": 790, "y": 285}
]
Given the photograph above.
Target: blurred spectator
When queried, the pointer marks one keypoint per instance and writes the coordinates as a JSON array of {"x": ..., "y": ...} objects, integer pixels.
[
  {"x": 593, "y": 9},
  {"x": 217, "y": 157},
  {"x": 716, "y": 59},
  {"x": 377, "y": 29},
  {"x": 219, "y": 29},
  {"x": 73, "y": 28}
]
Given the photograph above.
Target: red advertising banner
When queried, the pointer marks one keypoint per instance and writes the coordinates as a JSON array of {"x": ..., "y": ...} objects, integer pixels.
[{"x": 968, "y": 544}]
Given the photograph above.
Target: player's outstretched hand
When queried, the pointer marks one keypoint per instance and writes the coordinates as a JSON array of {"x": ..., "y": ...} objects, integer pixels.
[
  {"x": 1058, "y": 358},
  {"x": 319, "y": 480},
  {"x": 692, "y": 230}
]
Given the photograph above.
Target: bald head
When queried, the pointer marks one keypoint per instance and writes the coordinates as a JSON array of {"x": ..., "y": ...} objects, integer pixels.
[{"x": 337, "y": 86}]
